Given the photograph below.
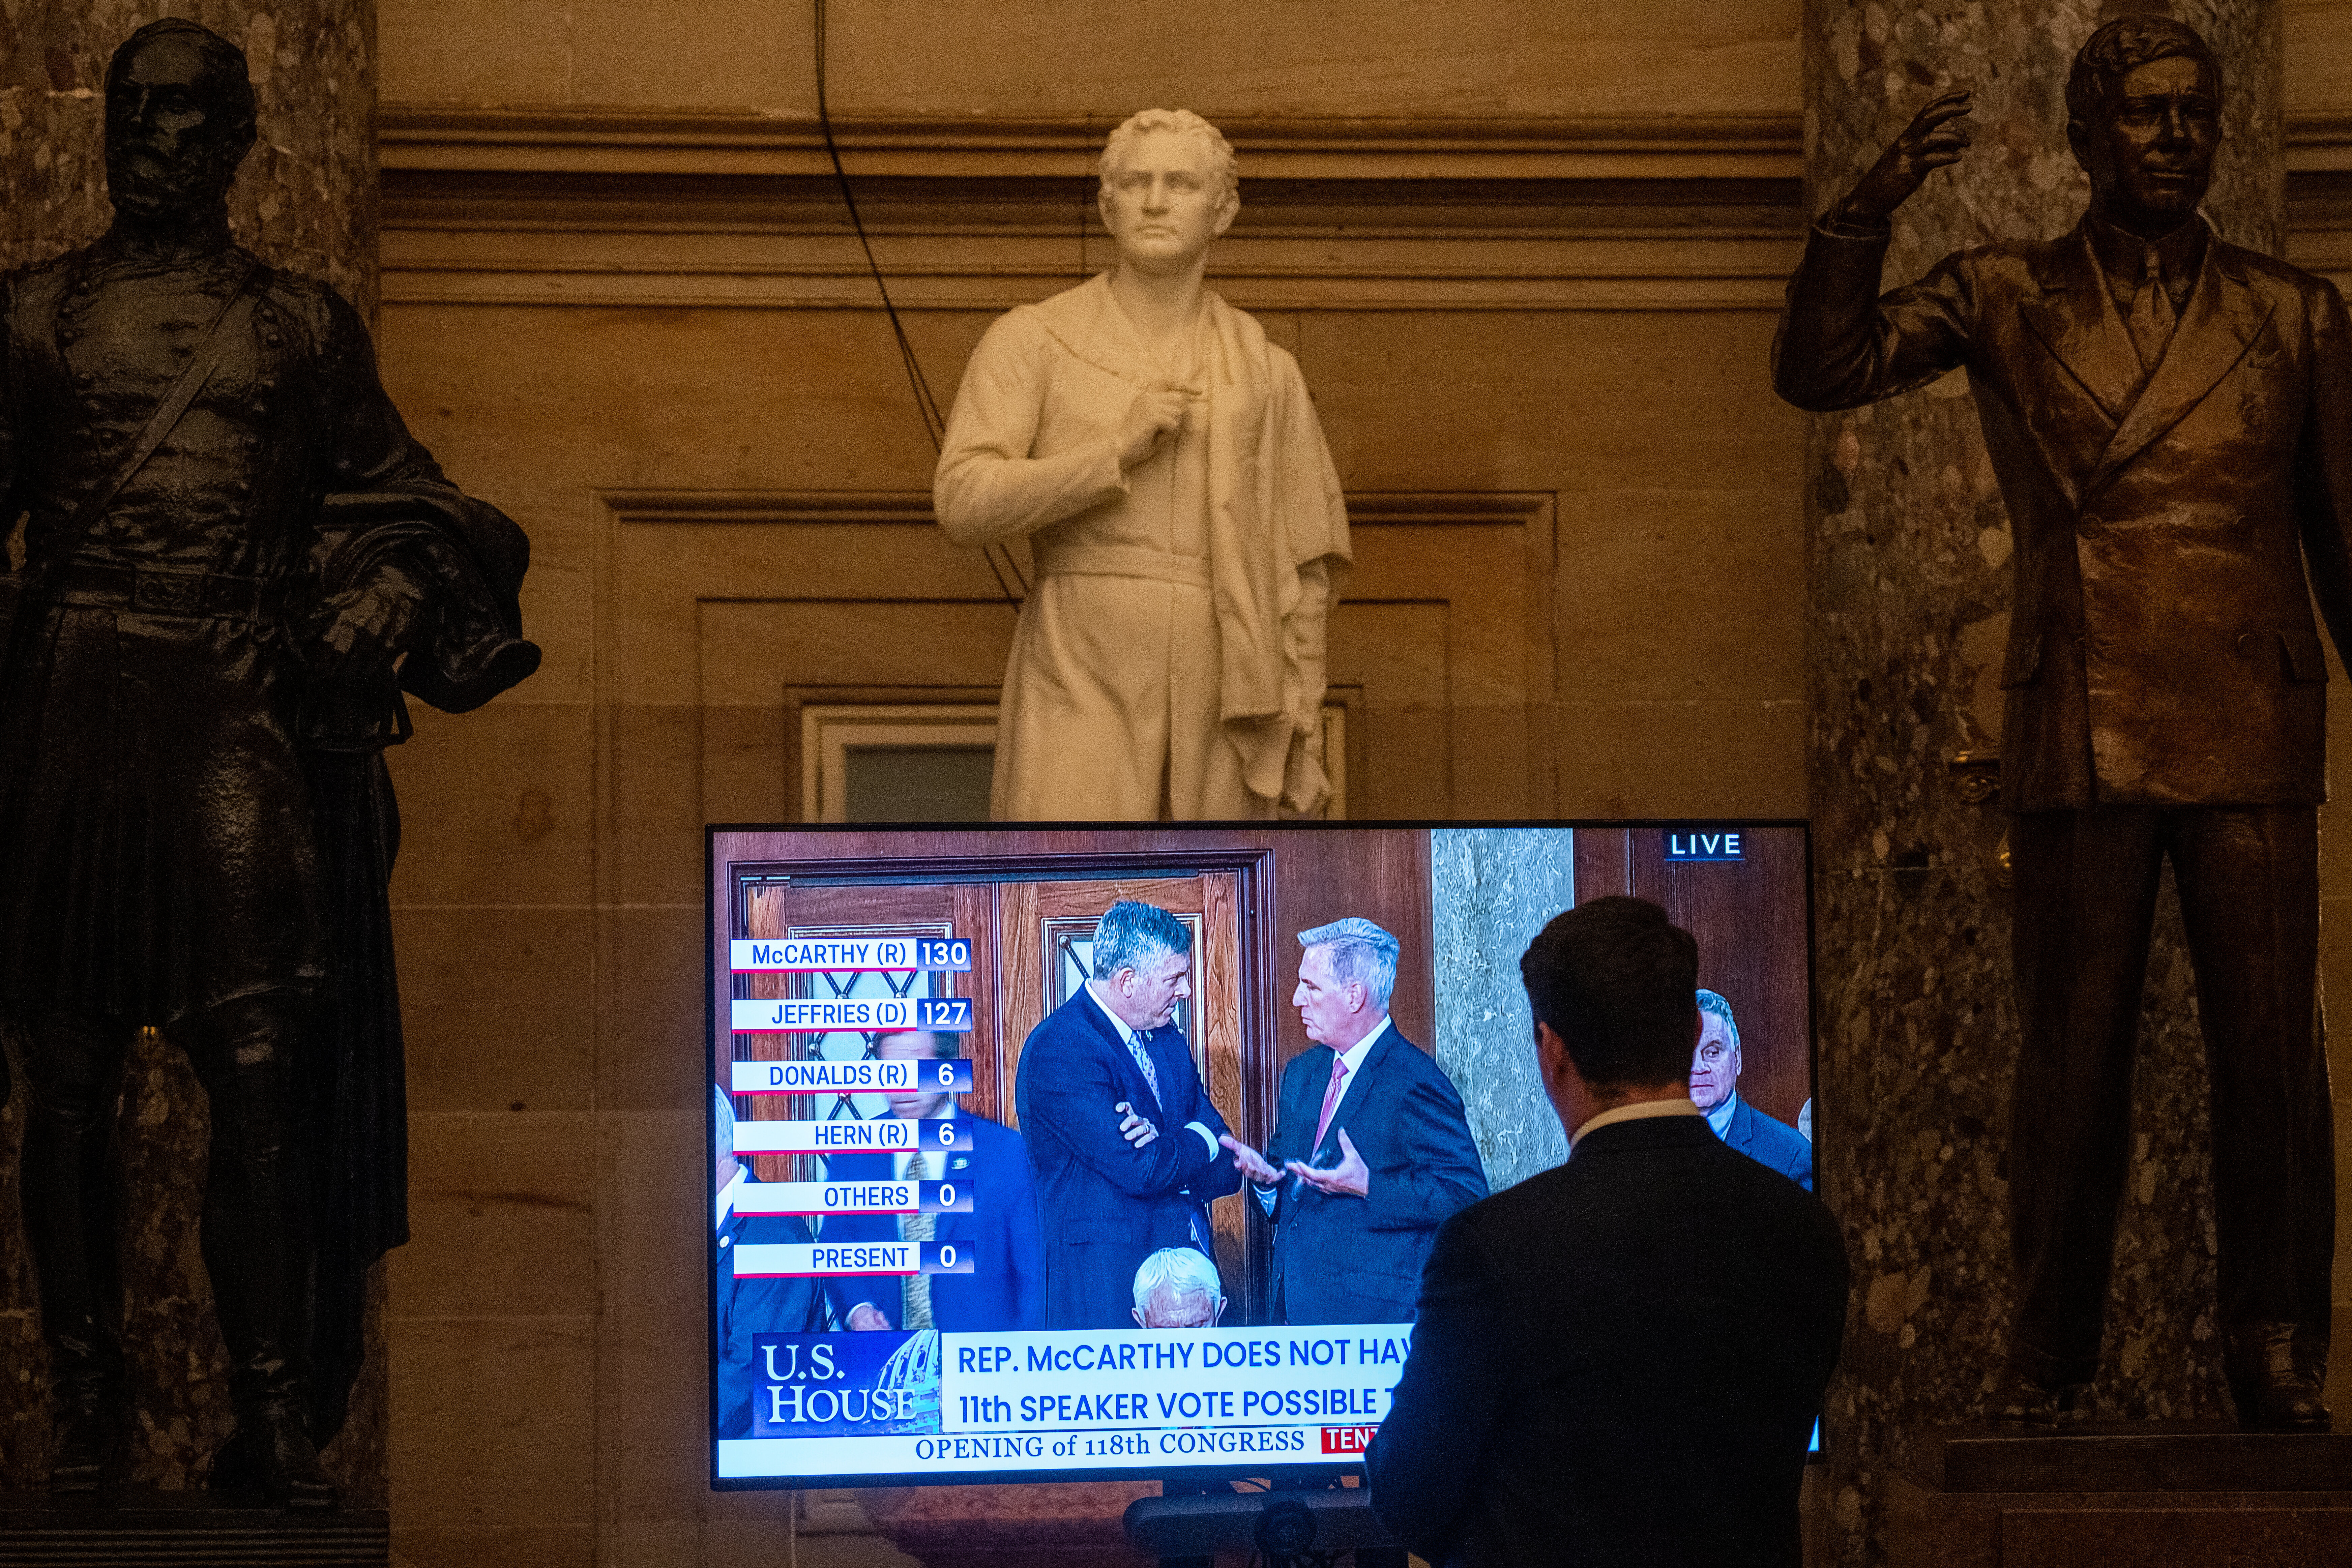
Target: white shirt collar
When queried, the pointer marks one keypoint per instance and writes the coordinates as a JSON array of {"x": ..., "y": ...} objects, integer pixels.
[
  {"x": 1720, "y": 1116},
  {"x": 1126, "y": 1035},
  {"x": 1354, "y": 1054},
  {"x": 728, "y": 1193},
  {"x": 1640, "y": 1109}
]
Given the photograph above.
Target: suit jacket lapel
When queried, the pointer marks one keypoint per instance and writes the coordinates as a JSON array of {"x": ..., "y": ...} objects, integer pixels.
[
  {"x": 1358, "y": 1085},
  {"x": 2077, "y": 321},
  {"x": 2223, "y": 317},
  {"x": 1140, "y": 1090},
  {"x": 1742, "y": 1131}
]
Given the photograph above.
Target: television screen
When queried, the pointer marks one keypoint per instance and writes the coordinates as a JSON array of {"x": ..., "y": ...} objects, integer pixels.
[{"x": 1005, "y": 1122}]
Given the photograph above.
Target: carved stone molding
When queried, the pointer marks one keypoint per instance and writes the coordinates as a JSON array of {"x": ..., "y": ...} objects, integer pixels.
[{"x": 715, "y": 210}]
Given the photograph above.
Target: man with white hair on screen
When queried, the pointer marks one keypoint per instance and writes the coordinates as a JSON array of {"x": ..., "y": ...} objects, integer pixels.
[
  {"x": 1165, "y": 460},
  {"x": 1372, "y": 1151},
  {"x": 1715, "y": 1090},
  {"x": 1178, "y": 1287}
]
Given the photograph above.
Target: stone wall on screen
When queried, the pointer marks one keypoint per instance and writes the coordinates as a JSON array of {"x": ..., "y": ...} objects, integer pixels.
[{"x": 1492, "y": 888}]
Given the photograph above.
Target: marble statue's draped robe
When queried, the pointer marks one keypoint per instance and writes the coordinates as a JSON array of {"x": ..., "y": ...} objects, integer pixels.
[{"x": 1171, "y": 654}]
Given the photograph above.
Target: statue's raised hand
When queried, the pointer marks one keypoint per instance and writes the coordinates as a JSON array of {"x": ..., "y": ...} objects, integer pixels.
[{"x": 1929, "y": 142}]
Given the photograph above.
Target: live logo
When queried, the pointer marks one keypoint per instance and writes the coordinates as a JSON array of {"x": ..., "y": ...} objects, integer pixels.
[
  {"x": 1348, "y": 1439},
  {"x": 1705, "y": 844}
]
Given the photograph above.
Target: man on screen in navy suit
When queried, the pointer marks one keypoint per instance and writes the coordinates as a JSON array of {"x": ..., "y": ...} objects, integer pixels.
[
  {"x": 1122, "y": 1139},
  {"x": 1006, "y": 1287},
  {"x": 1715, "y": 1090},
  {"x": 1371, "y": 1153}
]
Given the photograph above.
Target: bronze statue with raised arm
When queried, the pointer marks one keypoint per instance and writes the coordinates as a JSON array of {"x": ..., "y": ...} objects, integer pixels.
[
  {"x": 227, "y": 559},
  {"x": 2170, "y": 420}
]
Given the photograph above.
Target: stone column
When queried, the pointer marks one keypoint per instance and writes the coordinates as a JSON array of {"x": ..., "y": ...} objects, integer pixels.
[
  {"x": 1908, "y": 576},
  {"x": 306, "y": 201}
]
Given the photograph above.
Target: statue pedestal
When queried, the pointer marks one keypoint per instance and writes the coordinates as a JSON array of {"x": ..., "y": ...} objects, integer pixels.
[
  {"x": 186, "y": 1527},
  {"x": 2127, "y": 1497}
]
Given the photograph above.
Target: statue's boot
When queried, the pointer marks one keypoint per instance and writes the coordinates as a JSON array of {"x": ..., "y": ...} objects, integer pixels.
[
  {"x": 257, "y": 1248},
  {"x": 271, "y": 1460},
  {"x": 88, "y": 1407},
  {"x": 2022, "y": 1399},
  {"x": 71, "y": 1196},
  {"x": 2275, "y": 1381}
]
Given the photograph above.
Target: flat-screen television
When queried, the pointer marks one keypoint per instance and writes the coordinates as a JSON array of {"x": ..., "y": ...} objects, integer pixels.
[{"x": 975, "y": 1215}]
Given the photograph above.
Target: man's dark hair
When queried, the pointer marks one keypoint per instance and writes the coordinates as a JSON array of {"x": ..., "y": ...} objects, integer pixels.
[
  {"x": 225, "y": 66},
  {"x": 1617, "y": 983},
  {"x": 2122, "y": 47}
]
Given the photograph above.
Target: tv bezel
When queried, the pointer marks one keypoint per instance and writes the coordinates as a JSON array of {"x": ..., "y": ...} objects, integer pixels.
[{"x": 1324, "y": 1471}]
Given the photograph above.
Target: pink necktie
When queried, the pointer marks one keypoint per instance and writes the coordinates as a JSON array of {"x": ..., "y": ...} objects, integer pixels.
[{"x": 1330, "y": 1101}]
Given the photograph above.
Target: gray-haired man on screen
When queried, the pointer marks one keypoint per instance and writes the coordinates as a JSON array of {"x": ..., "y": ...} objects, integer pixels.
[{"x": 1371, "y": 1153}]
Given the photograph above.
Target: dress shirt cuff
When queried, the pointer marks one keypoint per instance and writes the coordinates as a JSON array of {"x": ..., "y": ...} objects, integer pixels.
[
  {"x": 1836, "y": 225},
  {"x": 1267, "y": 1197},
  {"x": 1207, "y": 1138}
]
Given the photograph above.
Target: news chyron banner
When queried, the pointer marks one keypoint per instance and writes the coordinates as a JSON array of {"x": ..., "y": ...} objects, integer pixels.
[{"x": 906, "y": 1403}]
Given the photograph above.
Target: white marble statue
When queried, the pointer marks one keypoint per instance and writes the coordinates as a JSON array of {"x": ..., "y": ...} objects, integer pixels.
[{"x": 1187, "y": 521}]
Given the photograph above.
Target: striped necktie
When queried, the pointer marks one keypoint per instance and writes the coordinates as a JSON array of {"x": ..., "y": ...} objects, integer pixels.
[{"x": 917, "y": 1227}]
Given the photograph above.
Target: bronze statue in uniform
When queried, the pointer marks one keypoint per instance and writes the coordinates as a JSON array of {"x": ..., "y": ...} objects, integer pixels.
[
  {"x": 2170, "y": 419},
  {"x": 228, "y": 558}
]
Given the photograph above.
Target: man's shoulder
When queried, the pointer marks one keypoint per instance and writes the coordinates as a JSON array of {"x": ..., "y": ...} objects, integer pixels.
[
  {"x": 1069, "y": 318},
  {"x": 58, "y": 267},
  {"x": 40, "y": 287},
  {"x": 1598, "y": 1193},
  {"x": 1511, "y": 1211},
  {"x": 1766, "y": 1129},
  {"x": 2023, "y": 263},
  {"x": 1067, "y": 1024},
  {"x": 1406, "y": 1059},
  {"x": 2270, "y": 274},
  {"x": 1251, "y": 333},
  {"x": 989, "y": 1136},
  {"x": 299, "y": 290},
  {"x": 1314, "y": 1060}
]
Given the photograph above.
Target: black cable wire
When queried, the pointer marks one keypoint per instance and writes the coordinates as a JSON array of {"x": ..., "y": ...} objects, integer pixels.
[{"x": 925, "y": 405}]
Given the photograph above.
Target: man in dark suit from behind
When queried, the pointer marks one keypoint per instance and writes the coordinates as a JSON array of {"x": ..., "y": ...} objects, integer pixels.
[
  {"x": 1006, "y": 1288},
  {"x": 1122, "y": 1137},
  {"x": 1371, "y": 1152},
  {"x": 1583, "y": 1334},
  {"x": 1715, "y": 1090}
]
